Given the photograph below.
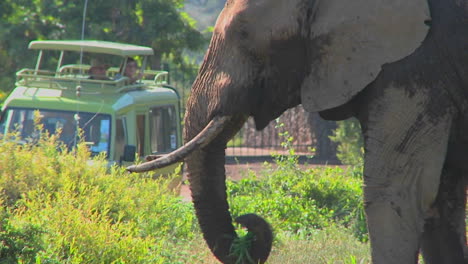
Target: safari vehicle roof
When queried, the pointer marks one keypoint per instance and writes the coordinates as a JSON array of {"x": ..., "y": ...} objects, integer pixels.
[
  {"x": 94, "y": 46},
  {"x": 68, "y": 90},
  {"x": 24, "y": 97}
]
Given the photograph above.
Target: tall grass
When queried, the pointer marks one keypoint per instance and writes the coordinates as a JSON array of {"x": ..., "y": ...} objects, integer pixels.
[{"x": 66, "y": 207}]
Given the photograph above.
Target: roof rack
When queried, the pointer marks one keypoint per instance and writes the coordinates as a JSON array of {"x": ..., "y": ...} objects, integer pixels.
[
  {"x": 74, "y": 75},
  {"x": 94, "y": 46}
]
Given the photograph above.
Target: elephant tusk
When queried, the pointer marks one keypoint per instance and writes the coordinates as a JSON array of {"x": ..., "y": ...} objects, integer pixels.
[{"x": 214, "y": 127}]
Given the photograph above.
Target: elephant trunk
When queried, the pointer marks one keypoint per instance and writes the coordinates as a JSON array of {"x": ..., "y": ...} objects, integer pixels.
[{"x": 207, "y": 183}]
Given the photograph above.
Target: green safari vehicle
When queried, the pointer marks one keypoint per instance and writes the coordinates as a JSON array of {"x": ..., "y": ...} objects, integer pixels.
[{"x": 118, "y": 118}]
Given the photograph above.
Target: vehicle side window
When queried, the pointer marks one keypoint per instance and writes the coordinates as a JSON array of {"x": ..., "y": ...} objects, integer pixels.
[
  {"x": 22, "y": 121},
  {"x": 99, "y": 135},
  {"x": 163, "y": 129},
  {"x": 3, "y": 119},
  {"x": 140, "y": 134},
  {"x": 2, "y": 123},
  {"x": 120, "y": 135}
]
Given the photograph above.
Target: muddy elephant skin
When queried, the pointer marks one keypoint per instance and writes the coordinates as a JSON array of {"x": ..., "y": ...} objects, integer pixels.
[{"x": 400, "y": 67}]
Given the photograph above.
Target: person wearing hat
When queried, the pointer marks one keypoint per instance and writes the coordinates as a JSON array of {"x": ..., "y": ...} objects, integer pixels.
[{"x": 98, "y": 71}]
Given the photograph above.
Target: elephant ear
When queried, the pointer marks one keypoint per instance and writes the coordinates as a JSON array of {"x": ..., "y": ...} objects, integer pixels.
[{"x": 351, "y": 40}]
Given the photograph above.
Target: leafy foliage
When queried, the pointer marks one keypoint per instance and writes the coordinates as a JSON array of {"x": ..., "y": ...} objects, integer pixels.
[
  {"x": 18, "y": 242},
  {"x": 64, "y": 209},
  {"x": 160, "y": 24},
  {"x": 300, "y": 201},
  {"x": 348, "y": 136},
  {"x": 205, "y": 11},
  {"x": 58, "y": 207},
  {"x": 297, "y": 200},
  {"x": 240, "y": 248}
]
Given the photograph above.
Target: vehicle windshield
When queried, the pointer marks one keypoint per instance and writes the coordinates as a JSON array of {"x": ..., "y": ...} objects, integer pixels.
[{"x": 95, "y": 127}]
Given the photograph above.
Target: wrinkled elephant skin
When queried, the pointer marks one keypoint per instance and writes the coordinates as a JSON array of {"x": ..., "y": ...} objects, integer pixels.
[{"x": 400, "y": 67}]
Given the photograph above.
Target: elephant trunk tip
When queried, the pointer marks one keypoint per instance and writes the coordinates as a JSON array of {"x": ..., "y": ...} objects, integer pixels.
[{"x": 261, "y": 236}]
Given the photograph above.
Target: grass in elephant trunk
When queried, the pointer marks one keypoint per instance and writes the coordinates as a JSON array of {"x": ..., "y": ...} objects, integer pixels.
[
  {"x": 315, "y": 212},
  {"x": 241, "y": 246}
]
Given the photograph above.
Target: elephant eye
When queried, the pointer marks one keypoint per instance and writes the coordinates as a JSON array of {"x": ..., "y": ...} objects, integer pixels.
[{"x": 243, "y": 34}]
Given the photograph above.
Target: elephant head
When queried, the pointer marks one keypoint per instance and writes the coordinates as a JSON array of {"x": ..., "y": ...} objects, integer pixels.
[{"x": 266, "y": 56}]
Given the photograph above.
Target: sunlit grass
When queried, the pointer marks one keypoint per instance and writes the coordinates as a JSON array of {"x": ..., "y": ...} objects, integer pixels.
[{"x": 333, "y": 245}]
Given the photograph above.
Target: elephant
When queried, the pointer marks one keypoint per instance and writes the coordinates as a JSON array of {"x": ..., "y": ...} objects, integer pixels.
[{"x": 400, "y": 67}]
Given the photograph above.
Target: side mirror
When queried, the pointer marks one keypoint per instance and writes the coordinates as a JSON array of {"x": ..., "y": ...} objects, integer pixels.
[{"x": 129, "y": 153}]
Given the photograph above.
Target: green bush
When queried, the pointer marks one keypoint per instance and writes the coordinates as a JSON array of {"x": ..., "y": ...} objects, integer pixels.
[
  {"x": 20, "y": 242},
  {"x": 300, "y": 201},
  {"x": 348, "y": 136},
  {"x": 66, "y": 207}
]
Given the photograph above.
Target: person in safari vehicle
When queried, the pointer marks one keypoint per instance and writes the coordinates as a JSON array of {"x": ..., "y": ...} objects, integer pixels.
[
  {"x": 129, "y": 70},
  {"x": 73, "y": 91},
  {"x": 98, "y": 71}
]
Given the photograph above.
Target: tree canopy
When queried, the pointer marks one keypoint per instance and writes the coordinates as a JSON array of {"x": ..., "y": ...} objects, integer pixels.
[{"x": 160, "y": 24}]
